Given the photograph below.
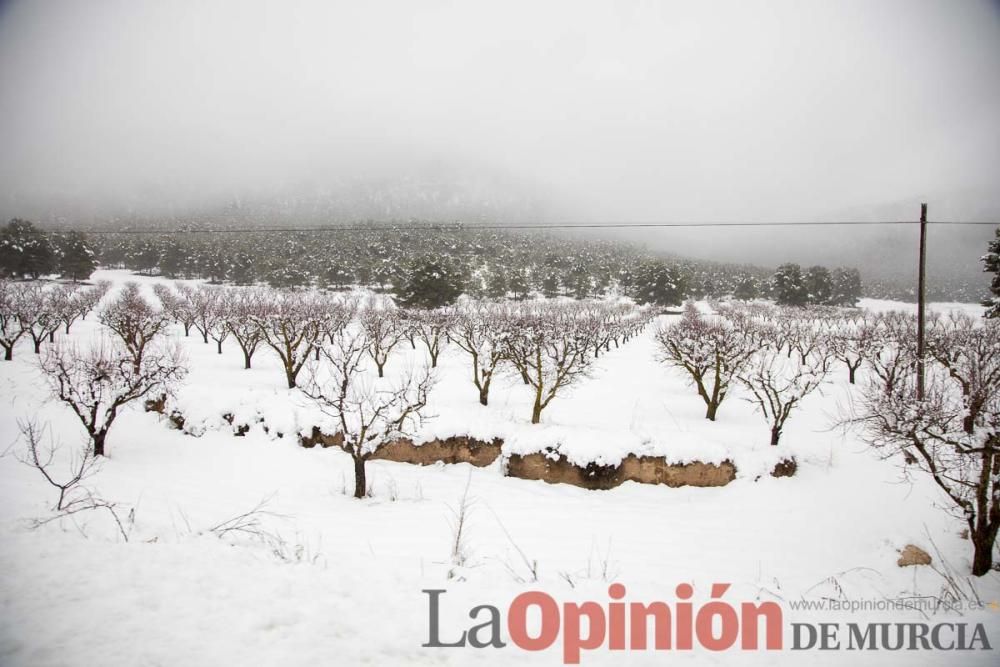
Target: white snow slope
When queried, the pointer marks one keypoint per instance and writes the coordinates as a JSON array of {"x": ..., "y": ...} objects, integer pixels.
[{"x": 343, "y": 586}]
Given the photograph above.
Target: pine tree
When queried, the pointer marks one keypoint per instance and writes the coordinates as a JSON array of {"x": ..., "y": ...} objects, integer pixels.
[
  {"x": 174, "y": 261},
  {"x": 789, "y": 289},
  {"x": 76, "y": 258},
  {"x": 658, "y": 284},
  {"x": 496, "y": 284},
  {"x": 746, "y": 289},
  {"x": 550, "y": 286},
  {"x": 288, "y": 276},
  {"x": 846, "y": 287},
  {"x": 147, "y": 257},
  {"x": 242, "y": 269},
  {"x": 991, "y": 264},
  {"x": 338, "y": 277},
  {"x": 431, "y": 284},
  {"x": 817, "y": 285},
  {"x": 518, "y": 284},
  {"x": 578, "y": 282},
  {"x": 627, "y": 278},
  {"x": 25, "y": 251}
]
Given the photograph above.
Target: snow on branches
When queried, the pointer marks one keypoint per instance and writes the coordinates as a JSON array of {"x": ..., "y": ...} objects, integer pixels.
[
  {"x": 712, "y": 350},
  {"x": 135, "y": 321},
  {"x": 96, "y": 381},
  {"x": 553, "y": 344},
  {"x": 291, "y": 324},
  {"x": 778, "y": 354},
  {"x": 369, "y": 412},
  {"x": 953, "y": 433}
]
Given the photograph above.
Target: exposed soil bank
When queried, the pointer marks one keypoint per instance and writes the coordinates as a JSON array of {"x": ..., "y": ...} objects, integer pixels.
[
  {"x": 537, "y": 466},
  {"x": 642, "y": 469},
  {"x": 457, "y": 449}
]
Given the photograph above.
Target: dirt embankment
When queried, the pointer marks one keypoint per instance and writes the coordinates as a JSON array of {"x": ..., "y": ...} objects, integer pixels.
[
  {"x": 538, "y": 466},
  {"x": 642, "y": 469}
]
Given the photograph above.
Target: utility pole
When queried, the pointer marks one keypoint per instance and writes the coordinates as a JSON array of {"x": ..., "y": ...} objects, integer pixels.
[{"x": 921, "y": 297}]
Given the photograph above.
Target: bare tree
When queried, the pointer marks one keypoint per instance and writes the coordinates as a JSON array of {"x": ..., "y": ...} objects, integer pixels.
[
  {"x": 36, "y": 455},
  {"x": 217, "y": 315},
  {"x": 135, "y": 321},
  {"x": 38, "y": 314},
  {"x": 98, "y": 381},
  {"x": 291, "y": 324},
  {"x": 244, "y": 309},
  {"x": 408, "y": 325},
  {"x": 88, "y": 298},
  {"x": 778, "y": 381},
  {"x": 11, "y": 306},
  {"x": 551, "y": 350},
  {"x": 849, "y": 340},
  {"x": 369, "y": 413},
  {"x": 633, "y": 324},
  {"x": 205, "y": 315},
  {"x": 953, "y": 434},
  {"x": 804, "y": 333},
  {"x": 338, "y": 313},
  {"x": 710, "y": 350},
  {"x": 605, "y": 322},
  {"x": 890, "y": 340},
  {"x": 480, "y": 331},
  {"x": 74, "y": 496},
  {"x": 178, "y": 304},
  {"x": 432, "y": 328},
  {"x": 65, "y": 301},
  {"x": 383, "y": 331}
]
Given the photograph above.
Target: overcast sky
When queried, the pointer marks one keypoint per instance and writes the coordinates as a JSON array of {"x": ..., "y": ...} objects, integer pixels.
[{"x": 636, "y": 110}]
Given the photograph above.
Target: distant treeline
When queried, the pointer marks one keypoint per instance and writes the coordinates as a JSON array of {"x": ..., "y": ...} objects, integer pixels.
[
  {"x": 412, "y": 259},
  {"x": 939, "y": 288}
]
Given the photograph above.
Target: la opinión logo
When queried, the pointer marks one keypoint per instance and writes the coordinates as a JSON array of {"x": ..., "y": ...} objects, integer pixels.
[
  {"x": 716, "y": 625},
  {"x": 683, "y": 625}
]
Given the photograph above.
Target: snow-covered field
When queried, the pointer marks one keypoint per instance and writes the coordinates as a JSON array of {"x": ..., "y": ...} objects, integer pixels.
[{"x": 343, "y": 586}]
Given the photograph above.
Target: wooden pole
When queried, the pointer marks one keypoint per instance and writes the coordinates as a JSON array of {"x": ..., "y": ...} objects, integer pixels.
[{"x": 921, "y": 297}]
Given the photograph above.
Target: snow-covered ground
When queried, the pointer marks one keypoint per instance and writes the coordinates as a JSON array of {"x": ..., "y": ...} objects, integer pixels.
[
  {"x": 343, "y": 584},
  {"x": 883, "y": 305}
]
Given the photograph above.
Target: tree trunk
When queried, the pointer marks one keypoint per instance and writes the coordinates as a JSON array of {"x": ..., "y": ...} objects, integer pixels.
[
  {"x": 360, "y": 486},
  {"x": 775, "y": 435},
  {"x": 984, "y": 532},
  {"x": 38, "y": 345},
  {"x": 381, "y": 369},
  {"x": 982, "y": 560},
  {"x": 484, "y": 393},
  {"x": 536, "y": 410},
  {"x": 67, "y": 327},
  {"x": 850, "y": 374},
  {"x": 246, "y": 360},
  {"x": 99, "y": 438},
  {"x": 204, "y": 336},
  {"x": 8, "y": 352},
  {"x": 712, "y": 409},
  {"x": 52, "y": 336}
]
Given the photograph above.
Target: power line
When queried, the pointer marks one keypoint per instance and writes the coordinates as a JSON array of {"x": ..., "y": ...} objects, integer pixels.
[{"x": 458, "y": 227}]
